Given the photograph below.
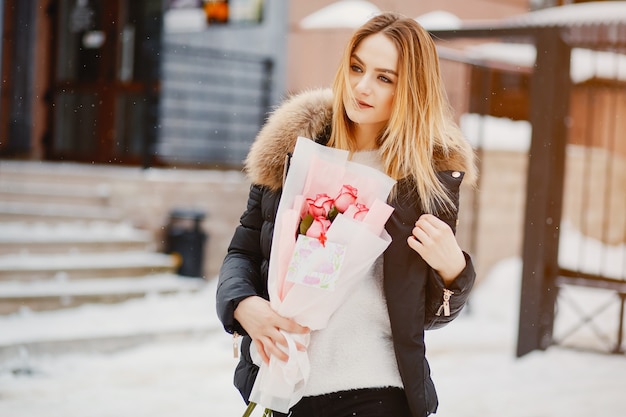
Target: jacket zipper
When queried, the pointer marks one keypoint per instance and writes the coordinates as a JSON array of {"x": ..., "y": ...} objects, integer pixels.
[
  {"x": 235, "y": 345},
  {"x": 445, "y": 305}
]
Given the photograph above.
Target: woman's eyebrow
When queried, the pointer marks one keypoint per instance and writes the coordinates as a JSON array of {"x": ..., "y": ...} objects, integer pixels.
[{"x": 386, "y": 70}]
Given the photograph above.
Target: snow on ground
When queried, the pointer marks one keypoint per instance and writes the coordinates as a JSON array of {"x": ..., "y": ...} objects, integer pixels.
[
  {"x": 472, "y": 359},
  {"x": 154, "y": 313},
  {"x": 478, "y": 375}
]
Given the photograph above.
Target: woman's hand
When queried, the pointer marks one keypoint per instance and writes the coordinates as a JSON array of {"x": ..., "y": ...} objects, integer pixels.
[
  {"x": 263, "y": 325},
  {"x": 434, "y": 240}
]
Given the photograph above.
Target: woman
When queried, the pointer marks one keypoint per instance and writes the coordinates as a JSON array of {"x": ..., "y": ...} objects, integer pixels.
[{"x": 388, "y": 108}]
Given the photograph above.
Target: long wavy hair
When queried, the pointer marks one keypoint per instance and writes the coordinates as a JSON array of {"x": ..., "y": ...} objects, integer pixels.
[{"x": 421, "y": 124}]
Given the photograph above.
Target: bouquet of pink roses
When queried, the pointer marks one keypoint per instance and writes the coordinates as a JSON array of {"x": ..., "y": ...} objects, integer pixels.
[
  {"x": 322, "y": 210},
  {"x": 321, "y": 250}
]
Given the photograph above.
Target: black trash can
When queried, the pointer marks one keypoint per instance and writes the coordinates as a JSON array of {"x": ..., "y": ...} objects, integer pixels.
[{"x": 185, "y": 238}]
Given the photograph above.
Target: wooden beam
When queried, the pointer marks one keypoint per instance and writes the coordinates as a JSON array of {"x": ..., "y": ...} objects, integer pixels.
[{"x": 550, "y": 90}]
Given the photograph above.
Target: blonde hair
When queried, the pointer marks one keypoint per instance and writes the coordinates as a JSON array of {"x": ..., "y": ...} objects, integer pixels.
[{"x": 420, "y": 125}]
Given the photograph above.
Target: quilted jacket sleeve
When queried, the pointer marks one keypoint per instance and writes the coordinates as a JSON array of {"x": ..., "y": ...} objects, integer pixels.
[
  {"x": 444, "y": 304},
  {"x": 437, "y": 314},
  {"x": 240, "y": 275}
]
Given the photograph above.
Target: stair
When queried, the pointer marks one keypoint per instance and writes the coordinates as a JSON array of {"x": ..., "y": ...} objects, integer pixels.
[
  {"x": 60, "y": 293},
  {"x": 50, "y": 212},
  {"x": 71, "y": 237},
  {"x": 34, "y": 192},
  {"x": 63, "y": 244},
  {"x": 75, "y": 266}
]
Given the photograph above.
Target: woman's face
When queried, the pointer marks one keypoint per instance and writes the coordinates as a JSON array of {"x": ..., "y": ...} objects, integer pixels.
[{"x": 373, "y": 78}]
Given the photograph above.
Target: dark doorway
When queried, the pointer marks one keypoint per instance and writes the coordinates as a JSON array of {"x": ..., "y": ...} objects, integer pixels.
[{"x": 105, "y": 80}]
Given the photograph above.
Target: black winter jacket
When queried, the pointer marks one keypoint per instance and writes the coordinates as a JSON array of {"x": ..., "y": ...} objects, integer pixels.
[{"x": 413, "y": 290}]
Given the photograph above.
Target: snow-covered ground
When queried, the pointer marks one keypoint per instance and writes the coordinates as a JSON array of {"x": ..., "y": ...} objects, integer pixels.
[{"x": 473, "y": 364}]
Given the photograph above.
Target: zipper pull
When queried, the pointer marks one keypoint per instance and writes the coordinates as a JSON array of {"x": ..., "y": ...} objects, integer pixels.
[
  {"x": 235, "y": 345},
  {"x": 445, "y": 306}
]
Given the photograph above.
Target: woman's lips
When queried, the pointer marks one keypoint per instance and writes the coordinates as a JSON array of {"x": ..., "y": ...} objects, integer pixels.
[{"x": 363, "y": 105}]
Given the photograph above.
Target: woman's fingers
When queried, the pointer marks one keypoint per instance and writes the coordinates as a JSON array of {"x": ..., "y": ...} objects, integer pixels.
[
  {"x": 414, "y": 244},
  {"x": 261, "y": 349},
  {"x": 430, "y": 226},
  {"x": 434, "y": 240},
  {"x": 431, "y": 230},
  {"x": 271, "y": 346},
  {"x": 290, "y": 326},
  {"x": 274, "y": 350},
  {"x": 425, "y": 233},
  {"x": 264, "y": 326}
]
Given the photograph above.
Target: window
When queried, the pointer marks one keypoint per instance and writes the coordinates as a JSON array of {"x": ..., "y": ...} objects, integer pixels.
[{"x": 201, "y": 14}]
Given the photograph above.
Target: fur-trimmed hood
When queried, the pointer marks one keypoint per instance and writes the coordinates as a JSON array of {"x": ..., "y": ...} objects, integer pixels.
[
  {"x": 306, "y": 114},
  {"x": 309, "y": 114}
]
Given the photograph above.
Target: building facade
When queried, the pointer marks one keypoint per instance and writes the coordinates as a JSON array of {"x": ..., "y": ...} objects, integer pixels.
[
  {"x": 83, "y": 80},
  {"x": 165, "y": 82}
]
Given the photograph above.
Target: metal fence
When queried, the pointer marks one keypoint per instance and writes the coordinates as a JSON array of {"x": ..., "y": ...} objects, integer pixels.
[
  {"x": 212, "y": 104},
  {"x": 591, "y": 278},
  {"x": 573, "y": 288}
]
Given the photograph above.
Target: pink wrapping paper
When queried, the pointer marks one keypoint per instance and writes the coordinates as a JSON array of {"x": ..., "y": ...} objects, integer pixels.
[{"x": 293, "y": 276}]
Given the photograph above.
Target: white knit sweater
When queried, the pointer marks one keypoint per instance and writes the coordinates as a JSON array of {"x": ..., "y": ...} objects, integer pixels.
[{"x": 355, "y": 349}]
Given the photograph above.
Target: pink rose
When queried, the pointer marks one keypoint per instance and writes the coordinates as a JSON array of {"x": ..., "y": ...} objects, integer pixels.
[
  {"x": 346, "y": 197},
  {"x": 320, "y": 205},
  {"x": 318, "y": 229},
  {"x": 357, "y": 211}
]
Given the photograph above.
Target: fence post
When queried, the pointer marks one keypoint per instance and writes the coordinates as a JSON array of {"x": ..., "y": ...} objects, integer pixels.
[{"x": 550, "y": 92}]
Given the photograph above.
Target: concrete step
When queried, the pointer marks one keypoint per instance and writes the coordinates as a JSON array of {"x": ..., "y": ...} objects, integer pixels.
[
  {"x": 73, "y": 237},
  {"x": 54, "y": 212},
  {"x": 55, "y": 193},
  {"x": 25, "y": 267},
  {"x": 67, "y": 173},
  {"x": 61, "y": 293}
]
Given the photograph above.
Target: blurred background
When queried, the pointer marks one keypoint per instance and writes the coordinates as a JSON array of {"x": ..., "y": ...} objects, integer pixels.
[{"x": 124, "y": 124}]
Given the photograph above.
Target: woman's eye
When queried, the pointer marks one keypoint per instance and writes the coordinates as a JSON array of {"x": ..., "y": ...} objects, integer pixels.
[
  {"x": 355, "y": 68},
  {"x": 385, "y": 79}
]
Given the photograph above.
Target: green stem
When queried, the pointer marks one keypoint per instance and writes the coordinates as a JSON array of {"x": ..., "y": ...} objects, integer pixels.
[
  {"x": 251, "y": 407},
  {"x": 249, "y": 410}
]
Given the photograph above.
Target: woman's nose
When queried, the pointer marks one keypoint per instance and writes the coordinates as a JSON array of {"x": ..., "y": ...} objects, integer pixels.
[{"x": 364, "y": 85}]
